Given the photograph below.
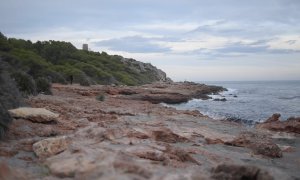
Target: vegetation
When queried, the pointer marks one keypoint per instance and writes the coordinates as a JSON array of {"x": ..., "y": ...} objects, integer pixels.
[
  {"x": 10, "y": 97},
  {"x": 100, "y": 97},
  {"x": 28, "y": 68},
  {"x": 56, "y": 61}
]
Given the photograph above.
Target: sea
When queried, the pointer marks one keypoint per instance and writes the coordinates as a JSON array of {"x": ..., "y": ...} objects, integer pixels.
[{"x": 249, "y": 102}]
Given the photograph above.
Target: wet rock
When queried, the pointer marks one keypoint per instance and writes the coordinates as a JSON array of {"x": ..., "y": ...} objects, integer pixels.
[
  {"x": 274, "y": 118},
  {"x": 39, "y": 115},
  {"x": 220, "y": 99},
  {"x": 258, "y": 143},
  {"x": 50, "y": 146},
  {"x": 237, "y": 172},
  {"x": 291, "y": 125}
]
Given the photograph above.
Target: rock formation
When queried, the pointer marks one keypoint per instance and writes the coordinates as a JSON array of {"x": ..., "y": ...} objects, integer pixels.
[{"x": 273, "y": 123}]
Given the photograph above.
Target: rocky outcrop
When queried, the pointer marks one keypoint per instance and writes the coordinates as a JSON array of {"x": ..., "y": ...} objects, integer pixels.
[
  {"x": 171, "y": 93},
  {"x": 291, "y": 125},
  {"x": 126, "y": 138},
  {"x": 50, "y": 146},
  {"x": 39, "y": 115},
  {"x": 148, "y": 69},
  {"x": 258, "y": 143}
]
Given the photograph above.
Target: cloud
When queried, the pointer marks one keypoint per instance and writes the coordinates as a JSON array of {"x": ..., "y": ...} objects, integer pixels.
[
  {"x": 242, "y": 48},
  {"x": 133, "y": 44},
  {"x": 192, "y": 30}
]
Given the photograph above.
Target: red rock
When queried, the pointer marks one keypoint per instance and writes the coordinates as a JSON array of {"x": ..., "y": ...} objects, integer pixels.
[
  {"x": 259, "y": 144},
  {"x": 291, "y": 125},
  {"x": 166, "y": 135}
]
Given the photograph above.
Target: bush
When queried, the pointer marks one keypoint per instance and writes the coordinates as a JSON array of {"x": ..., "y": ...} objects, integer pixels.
[
  {"x": 100, "y": 97},
  {"x": 55, "y": 77},
  {"x": 43, "y": 85},
  {"x": 25, "y": 83},
  {"x": 10, "y": 98}
]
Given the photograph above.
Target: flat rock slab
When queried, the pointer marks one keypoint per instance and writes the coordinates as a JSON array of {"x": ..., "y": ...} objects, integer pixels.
[
  {"x": 39, "y": 115},
  {"x": 51, "y": 146}
]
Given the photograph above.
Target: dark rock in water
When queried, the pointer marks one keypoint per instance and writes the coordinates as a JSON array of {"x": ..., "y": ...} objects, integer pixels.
[
  {"x": 220, "y": 99},
  {"x": 258, "y": 143},
  {"x": 237, "y": 172},
  {"x": 291, "y": 125},
  {"x": 10, "y": 97},
  {"x": 235, "y": 96},
  {"x": 234, "y": 119},
  {"x": 274, "y": 117}
]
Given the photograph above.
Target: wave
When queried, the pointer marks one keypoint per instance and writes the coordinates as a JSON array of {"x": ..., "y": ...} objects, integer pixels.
[{"x": 289, "y": 98}]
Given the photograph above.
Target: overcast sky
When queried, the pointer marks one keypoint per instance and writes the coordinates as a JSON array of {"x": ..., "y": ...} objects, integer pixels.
[{"x": 196, "y": 40}]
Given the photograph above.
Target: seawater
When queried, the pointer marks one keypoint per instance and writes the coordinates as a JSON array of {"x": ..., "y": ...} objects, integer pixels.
[{"x": 250, "y": 102}]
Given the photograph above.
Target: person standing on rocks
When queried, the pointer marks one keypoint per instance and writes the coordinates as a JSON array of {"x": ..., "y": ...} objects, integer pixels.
[{"x": 71, "y": 79}]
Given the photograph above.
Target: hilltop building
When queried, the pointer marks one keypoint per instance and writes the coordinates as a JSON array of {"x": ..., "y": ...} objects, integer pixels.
[{"x": 85, "y": 47}]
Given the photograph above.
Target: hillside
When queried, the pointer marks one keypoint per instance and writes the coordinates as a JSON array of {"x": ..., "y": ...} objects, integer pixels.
[{"x": 56, "y": 61}]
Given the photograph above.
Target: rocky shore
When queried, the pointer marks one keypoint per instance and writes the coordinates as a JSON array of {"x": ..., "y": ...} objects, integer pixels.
[{"x": 113, "y": 132}]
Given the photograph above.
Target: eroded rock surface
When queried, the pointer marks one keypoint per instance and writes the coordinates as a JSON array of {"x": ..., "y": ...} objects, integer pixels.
[
  {"x": 124, "y": 137},
  {"x": 50, "y": 146},
  {"x": 259, "y": 144},
  {"x": 273, "y": 123}
]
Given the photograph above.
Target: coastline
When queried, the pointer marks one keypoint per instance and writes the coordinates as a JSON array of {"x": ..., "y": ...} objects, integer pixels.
[{"x": 127, "y": 133}]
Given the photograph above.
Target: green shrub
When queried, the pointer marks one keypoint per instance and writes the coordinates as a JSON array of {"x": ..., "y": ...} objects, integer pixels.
[
  {"x": 43, "y": 85},
  {"x": 100, "y": 97},
  {"x": 25, "y": 83},
  {"x": 55, "y": 77},
  {"x": 10, "y": 98}
]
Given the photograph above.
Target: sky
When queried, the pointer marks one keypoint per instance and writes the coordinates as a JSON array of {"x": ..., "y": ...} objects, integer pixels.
[{"x": 194, "y": 40}]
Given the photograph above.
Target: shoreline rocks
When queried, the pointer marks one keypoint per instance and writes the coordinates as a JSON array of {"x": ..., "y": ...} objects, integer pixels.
[
  {"x": 127, "y": 138},
  {"x": 259, "y": 144},
  {"x": 291, "y": 125}
]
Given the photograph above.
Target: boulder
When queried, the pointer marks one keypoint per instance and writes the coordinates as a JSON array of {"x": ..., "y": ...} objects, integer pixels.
[
  {"x": 236, "y": 172},
  {"x": 258, "y": 143},
  {"x": 51, "y": 146},
  {"x": 39, "y": 115}
]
